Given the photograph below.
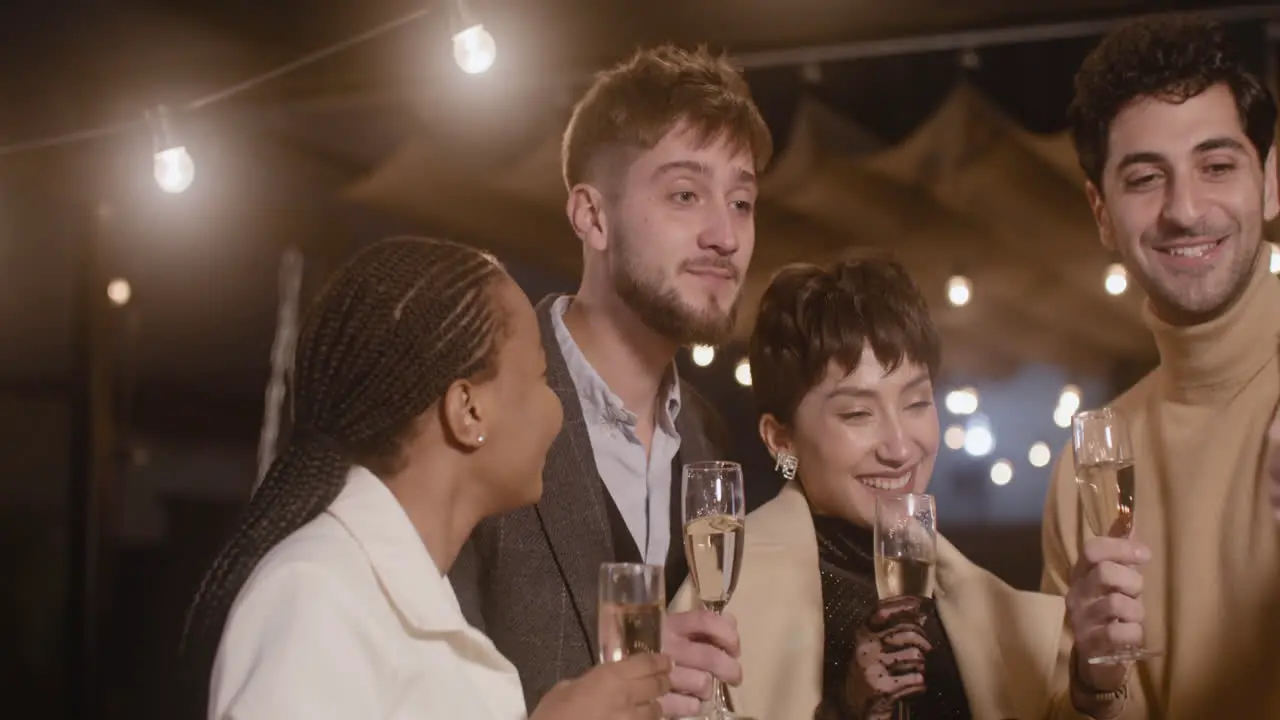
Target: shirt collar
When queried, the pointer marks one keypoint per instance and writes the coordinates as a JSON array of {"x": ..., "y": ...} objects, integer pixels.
[
  {"x": 399, "y": 558},
  {"x": 599, "y": 403}
]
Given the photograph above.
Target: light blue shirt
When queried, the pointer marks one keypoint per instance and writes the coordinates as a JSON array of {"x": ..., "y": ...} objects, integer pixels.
[{"x": 639, "y": 483}]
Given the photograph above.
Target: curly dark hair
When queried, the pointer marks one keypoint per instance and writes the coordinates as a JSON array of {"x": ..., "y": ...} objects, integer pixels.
[
  {"x": 1173, "y": 58},
  {"x": 637, "y": 102},
  {"x": 382, "y": 343},
  {"x": 812, "y": 314}
]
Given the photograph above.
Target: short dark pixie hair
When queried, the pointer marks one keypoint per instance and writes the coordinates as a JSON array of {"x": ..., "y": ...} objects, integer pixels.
[
  {"x": 1173, "y": 58},
  {"x": 811, "y": 315}
]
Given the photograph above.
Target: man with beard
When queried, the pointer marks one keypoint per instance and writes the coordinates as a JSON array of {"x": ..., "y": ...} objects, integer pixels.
[
  {"x": 1176, "y": 139},
  {"x": 660, "y": 159}
]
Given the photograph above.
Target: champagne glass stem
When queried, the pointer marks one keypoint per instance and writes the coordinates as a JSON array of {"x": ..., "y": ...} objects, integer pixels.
[
  {"x": 904, "y": 710},
  {"x": 719, "y": 699}
]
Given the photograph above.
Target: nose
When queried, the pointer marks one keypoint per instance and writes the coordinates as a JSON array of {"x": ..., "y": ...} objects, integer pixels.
[
  {"x": 1182, "y": 204},
  {"x": 720, "y": 234},
  {"x": 893, "y": 450}
]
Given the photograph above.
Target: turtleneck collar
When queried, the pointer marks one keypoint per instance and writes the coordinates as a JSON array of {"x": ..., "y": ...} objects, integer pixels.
[{"x": 1203, "y": 362}]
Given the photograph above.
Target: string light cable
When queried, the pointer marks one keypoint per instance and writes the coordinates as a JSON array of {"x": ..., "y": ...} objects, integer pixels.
[{"x": 474, "y": 51}]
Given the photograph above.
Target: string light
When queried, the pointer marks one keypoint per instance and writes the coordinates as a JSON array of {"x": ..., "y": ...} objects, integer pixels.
[
  {"x": 1069, "y": 399},
  {"x": 1039, "y": 455},
  {"x": 963, "y": 401},
  {"x": 1062, "y": 417},
  {"x": 979, "y": 441},
  {"x": 119, "y": 292},
  {"x": 959, "y": 290},
  {"x": 703, "y": 355},
  {"x": 1117, "y": 279},
  {"x": 174, "y": 168},
  {"x": 954, "y": 437},
  {"x": 1001, "y": 472},
  {"x": 742, "y": 373},
  {"x": 474, "y": 49}
]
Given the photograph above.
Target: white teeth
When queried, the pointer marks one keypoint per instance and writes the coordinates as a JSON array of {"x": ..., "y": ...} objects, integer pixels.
[
  {"x": 887, "y": 483},
  {"x": 1192, "y": 251}
]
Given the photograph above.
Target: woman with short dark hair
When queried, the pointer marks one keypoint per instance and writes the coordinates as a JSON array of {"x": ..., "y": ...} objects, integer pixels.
[{"x": 843, "y": 360}]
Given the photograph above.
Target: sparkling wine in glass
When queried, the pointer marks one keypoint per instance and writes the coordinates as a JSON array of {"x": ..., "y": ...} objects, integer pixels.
[
  {"x": 714, "y": 513},
  {"x": 906, "y": 550},
  {"x": 632, "y": 605},
  {"x": 1105, "y": 481}
]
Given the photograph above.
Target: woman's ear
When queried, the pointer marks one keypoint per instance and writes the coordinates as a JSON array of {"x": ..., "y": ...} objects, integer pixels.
[
  {"x": 774, "y": 436},
  {"x": 463, "y": 415}
]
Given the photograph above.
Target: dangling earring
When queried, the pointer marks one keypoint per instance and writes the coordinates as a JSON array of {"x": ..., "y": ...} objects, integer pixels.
[{"x": 787, "y": 464}]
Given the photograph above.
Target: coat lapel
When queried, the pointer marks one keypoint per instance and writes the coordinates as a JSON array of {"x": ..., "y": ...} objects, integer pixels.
[
  {"x": 778, "y": 603},
  {"x": 1006, "y": 641},
  {"x": 572, "y": 509}
]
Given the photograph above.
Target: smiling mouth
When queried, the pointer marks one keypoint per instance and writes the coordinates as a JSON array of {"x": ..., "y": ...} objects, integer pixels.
[
  {"x": 890, "y": 483},
  {"x": 1192, "y": 251}
]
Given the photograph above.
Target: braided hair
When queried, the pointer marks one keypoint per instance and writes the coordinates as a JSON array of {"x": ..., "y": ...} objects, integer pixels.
[{"x": 402, "y": 321}]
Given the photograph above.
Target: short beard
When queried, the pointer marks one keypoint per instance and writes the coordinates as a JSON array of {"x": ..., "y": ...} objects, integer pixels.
[{"x": 662, "y": 310}]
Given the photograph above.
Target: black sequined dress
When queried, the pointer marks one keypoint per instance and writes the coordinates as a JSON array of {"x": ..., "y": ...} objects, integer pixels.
[{"x": 846, "y": 561}]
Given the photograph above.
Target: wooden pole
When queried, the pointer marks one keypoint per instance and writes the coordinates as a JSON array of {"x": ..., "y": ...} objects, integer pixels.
[{"x": 91, "y": 463}]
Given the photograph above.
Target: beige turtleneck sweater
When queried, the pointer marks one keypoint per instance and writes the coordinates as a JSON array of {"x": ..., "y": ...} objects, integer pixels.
[{"x": 1212, "y": 590}]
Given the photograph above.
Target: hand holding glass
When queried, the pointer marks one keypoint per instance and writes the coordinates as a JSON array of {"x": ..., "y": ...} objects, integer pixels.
[
  {"x": 1105, "y": 481},
  {"x": 906, "y": 550},
  {"x": 714, "y": 511}
]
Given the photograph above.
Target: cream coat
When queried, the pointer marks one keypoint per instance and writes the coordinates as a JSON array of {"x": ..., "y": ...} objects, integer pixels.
[
  {"x": 350, "y": 618},
  {"x": 1006, "y": 641}
]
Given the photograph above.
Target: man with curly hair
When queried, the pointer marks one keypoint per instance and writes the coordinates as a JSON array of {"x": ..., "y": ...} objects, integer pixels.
[{"x": 1176, "y": 139}]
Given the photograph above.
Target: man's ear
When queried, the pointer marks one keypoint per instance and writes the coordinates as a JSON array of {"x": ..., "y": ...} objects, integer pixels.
[
  {"x": 586, "y": 211},
  {"x": 1098, "y": 206},
  {"x": 774, "y": 436},
  {"x": 463, "y": 416}
]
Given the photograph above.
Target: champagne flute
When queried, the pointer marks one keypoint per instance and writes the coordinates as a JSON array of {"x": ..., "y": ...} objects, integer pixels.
[
  {"x": 632, "y": 604},
  {"x": 1104, "y": 478},
  {"x": 714, "y": 513},
  {"x": 906, "y": 551}
]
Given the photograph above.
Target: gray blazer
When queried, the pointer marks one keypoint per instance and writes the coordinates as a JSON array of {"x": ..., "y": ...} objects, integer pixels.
[{"x": 528, "y": 578}]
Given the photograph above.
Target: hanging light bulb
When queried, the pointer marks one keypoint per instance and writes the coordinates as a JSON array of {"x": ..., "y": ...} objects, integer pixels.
[
  {"x": 1069, "y": 400},
  {"x": 1039, "y": 455},
  {"x": 703, "y": 355},
  {"x": 473, "y": 47},
  {"x": 174, "y": 168},
  {"x": 959, "y": 290},
  {"x": 979, "y": 440},
  {"x": 954, "y": 437},
  {"x": 119, "y": 292},
  {"x": 1001, "y": 472},
  {"x": 963, "y": 401},
  {"x": 742, "y": 373},
  {"x": 1117, "y": 279}
]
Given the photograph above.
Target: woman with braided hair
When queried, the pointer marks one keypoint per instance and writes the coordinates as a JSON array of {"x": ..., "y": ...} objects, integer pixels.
[{"x": 421, "y": 407}]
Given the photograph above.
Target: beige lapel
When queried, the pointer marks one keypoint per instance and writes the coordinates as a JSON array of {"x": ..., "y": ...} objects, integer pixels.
[
  {"x": 778, "y": 606},
  {"x": 1006, "y": 641}
]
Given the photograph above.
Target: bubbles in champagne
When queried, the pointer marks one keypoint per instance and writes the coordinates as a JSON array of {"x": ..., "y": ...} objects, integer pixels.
[
  {"x": 1107, "y": 497},
  {"x": 629, "y": 629},
  {"x": 713, "y": 547}
]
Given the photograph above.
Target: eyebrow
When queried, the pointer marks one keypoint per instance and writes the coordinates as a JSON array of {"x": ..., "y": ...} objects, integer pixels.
[
  {"x": 1217, "y": 143},
  {"x": 859, "y": 391},
  {"x": 698, "y": 168}
]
